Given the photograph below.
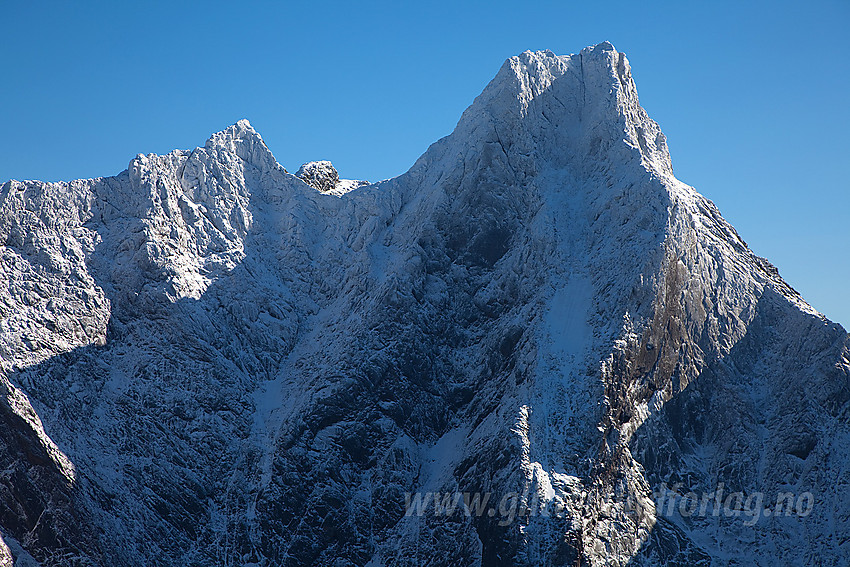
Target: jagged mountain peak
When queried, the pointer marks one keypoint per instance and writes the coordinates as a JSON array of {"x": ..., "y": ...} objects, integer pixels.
[
  {"x": 241, "y": 130},
  {"x": 243, "y": 140},
  {"x": 241, "y": 369},
  {"x": 565, "y": 109}
]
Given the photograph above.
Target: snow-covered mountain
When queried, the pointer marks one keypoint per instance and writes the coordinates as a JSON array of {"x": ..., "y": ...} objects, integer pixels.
[{"x": 208, "y": 361}]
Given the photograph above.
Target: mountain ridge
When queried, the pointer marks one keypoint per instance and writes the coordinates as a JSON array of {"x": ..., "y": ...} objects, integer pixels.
[{"x": 531, "y": 308}]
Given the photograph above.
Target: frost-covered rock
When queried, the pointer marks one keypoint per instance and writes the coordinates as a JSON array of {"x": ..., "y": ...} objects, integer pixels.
[
  {"x": 207, "y": 361},
  {"x": 323, "y": 176},
  {"x": 320, "y": 175}
]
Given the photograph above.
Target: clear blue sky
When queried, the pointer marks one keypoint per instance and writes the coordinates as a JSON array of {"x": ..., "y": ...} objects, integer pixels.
[{"x": 754, "y": 96}]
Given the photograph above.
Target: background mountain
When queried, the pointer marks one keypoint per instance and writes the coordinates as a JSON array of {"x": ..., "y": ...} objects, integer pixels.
[{"x": 208, "y": 361}]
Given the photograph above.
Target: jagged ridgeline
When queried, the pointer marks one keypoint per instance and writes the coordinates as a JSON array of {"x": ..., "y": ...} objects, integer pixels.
[{"x": 207, "y": 360}]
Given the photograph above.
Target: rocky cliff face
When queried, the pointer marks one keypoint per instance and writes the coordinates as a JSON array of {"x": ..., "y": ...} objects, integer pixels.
[{"x": 207, "y": 361}]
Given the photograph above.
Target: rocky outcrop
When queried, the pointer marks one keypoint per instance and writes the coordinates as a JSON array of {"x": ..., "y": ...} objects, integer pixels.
[{"x": 323, "y": 176}]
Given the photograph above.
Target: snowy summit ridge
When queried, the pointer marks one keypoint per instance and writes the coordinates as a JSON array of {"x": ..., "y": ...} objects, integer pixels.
[{"x": 208, "y": 360}]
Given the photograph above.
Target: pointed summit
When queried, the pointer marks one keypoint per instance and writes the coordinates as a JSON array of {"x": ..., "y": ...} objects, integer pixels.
[
  {"x": 545, "y": 103},
  {"x": 241, "y": 130},
  {"x": 242, "y": 140}
]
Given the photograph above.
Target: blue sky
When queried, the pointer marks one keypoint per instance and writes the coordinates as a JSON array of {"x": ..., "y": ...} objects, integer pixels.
[{"x": 754, "y": 96}]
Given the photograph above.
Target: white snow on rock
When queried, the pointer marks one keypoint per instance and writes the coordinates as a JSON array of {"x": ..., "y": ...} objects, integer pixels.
[
  {"x": 323, "y": 176},
  {"x": 228, "y": 367}
]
